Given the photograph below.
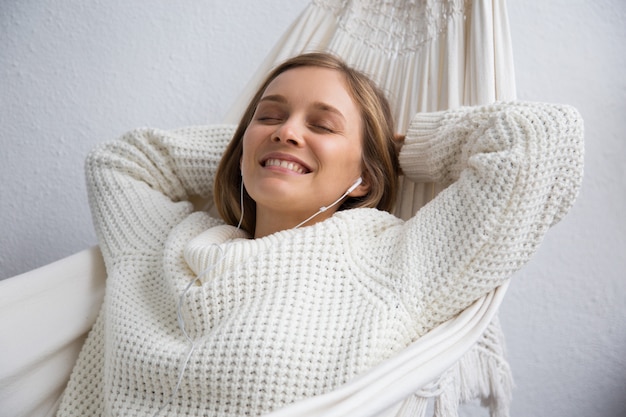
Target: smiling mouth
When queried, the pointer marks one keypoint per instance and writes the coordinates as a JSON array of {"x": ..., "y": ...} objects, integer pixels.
[{"x": 289, "y": 165}]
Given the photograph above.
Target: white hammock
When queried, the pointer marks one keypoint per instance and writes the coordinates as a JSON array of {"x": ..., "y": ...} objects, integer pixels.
[{"x": 427, "y": 55}]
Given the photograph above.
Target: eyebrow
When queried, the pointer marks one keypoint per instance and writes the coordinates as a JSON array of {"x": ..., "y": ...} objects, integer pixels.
[
  {"x": 274, "y": 97},
  {"x": 318, "y": 104}
]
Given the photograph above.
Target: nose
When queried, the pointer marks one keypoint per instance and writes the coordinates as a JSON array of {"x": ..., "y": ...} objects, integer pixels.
[{"x": 288, "y": 132}]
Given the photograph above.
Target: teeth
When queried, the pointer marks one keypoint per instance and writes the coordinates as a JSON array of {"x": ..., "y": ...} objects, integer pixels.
[{"x": 285, "y": 164}]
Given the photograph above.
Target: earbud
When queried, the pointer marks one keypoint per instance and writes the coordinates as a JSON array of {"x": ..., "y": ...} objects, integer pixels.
[
  {"x": 348, "y": 191},
  {"x": 353, "y": 187}
]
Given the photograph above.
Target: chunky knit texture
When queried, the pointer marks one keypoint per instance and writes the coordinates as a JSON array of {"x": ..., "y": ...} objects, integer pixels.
[{"x": 299, "y": 312}]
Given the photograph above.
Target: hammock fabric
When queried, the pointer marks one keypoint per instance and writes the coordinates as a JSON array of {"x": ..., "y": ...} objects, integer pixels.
[{"x": 427, "y": 55}]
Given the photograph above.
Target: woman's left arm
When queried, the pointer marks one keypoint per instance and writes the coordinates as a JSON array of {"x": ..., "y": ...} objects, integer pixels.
[{"x": 514, "y": 169}]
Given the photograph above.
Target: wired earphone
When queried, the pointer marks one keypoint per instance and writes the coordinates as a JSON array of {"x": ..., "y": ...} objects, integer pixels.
[
  {"x": 324, "y": 208},
  {"x": 181, "y": 322}
]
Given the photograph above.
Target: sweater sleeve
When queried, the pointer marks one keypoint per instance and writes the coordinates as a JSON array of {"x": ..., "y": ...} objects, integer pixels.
[
  {"x": 138, "y": 185},
  {"x": 514, "y": 169}
]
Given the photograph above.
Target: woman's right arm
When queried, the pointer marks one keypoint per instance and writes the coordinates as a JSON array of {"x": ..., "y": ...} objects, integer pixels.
[{"x": 140, "y": 184}]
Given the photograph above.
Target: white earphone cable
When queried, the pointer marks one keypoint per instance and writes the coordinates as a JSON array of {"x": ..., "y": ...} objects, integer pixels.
[
  {"x": 181, "y": 300},
  {"x": 179, "y": 314}
]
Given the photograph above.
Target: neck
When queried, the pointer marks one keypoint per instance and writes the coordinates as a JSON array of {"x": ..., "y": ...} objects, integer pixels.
[{"x": 269, "y": 222}]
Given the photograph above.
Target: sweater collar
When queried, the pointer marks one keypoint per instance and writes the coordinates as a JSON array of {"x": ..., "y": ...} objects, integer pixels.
[
  {"x": 217, "y": 249},
  {"x": 224, "y": 247}
]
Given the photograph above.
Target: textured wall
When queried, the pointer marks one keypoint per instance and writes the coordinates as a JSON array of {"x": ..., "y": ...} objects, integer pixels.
[
  {"x": 565, "y": 317},
  {"x": 76, "y": 73}
]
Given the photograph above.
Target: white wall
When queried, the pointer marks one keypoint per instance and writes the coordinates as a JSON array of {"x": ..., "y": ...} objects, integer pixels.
[
  {"x": 76, "y": 73},
  {"x": 565, "y": 317}
]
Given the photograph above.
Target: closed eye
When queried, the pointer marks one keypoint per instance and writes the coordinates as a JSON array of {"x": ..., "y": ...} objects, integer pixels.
[
  {"x": 270, "y": 112},
  {"x": 269, "y": 119},
  {"x": 323, "y": 128}
]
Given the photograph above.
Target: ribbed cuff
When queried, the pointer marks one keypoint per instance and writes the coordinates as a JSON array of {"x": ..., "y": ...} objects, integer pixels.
[{"x": 418, "y": 157}]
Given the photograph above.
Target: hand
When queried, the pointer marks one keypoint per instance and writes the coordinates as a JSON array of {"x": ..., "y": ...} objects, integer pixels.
[{"x": 398, "y": 141}]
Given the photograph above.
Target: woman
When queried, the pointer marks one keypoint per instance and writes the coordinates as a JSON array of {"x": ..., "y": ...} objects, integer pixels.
[{"x": 307, "y": 281}]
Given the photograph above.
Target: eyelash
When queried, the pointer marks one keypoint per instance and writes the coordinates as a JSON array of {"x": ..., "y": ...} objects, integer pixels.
[
  {"x": 324, "y": 128},
  {"x": 278, "y": 119}
]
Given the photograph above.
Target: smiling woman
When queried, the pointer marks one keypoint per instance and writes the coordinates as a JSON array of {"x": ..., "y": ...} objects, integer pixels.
[
  {"x": 324, "y": 145},
  {"x": 330, "y": 120},
  {"x": 301, "y": 153},
  {"x": 270, "y": 313}
]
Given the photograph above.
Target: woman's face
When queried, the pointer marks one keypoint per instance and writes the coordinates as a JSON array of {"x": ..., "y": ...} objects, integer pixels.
[{"x": 302, "y": 150}]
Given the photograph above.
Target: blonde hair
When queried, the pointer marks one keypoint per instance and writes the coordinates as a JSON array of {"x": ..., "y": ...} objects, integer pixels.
[{"x": 379, "y": 164}]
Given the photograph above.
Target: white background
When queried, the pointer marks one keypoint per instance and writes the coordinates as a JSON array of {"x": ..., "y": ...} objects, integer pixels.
[{"x": 75, "y": 73}]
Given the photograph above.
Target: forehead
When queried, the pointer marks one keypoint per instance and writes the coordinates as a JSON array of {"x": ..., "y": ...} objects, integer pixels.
[{"x": 318, "y": 84}]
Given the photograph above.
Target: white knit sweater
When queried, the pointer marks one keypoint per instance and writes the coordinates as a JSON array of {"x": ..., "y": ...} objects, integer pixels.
[{"x": 299, "y": 312}]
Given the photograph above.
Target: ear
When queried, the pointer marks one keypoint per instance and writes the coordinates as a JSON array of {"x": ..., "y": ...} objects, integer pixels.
[{"x": 362, "y": 189}]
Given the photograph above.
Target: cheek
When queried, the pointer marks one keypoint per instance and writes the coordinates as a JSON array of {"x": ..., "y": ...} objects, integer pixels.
[
  {"x": 248, "y": 143},
  {"x": 253, "y": 136},
  {"x": 343, "y": 155},
  {"x": 252, "y": 141}
]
